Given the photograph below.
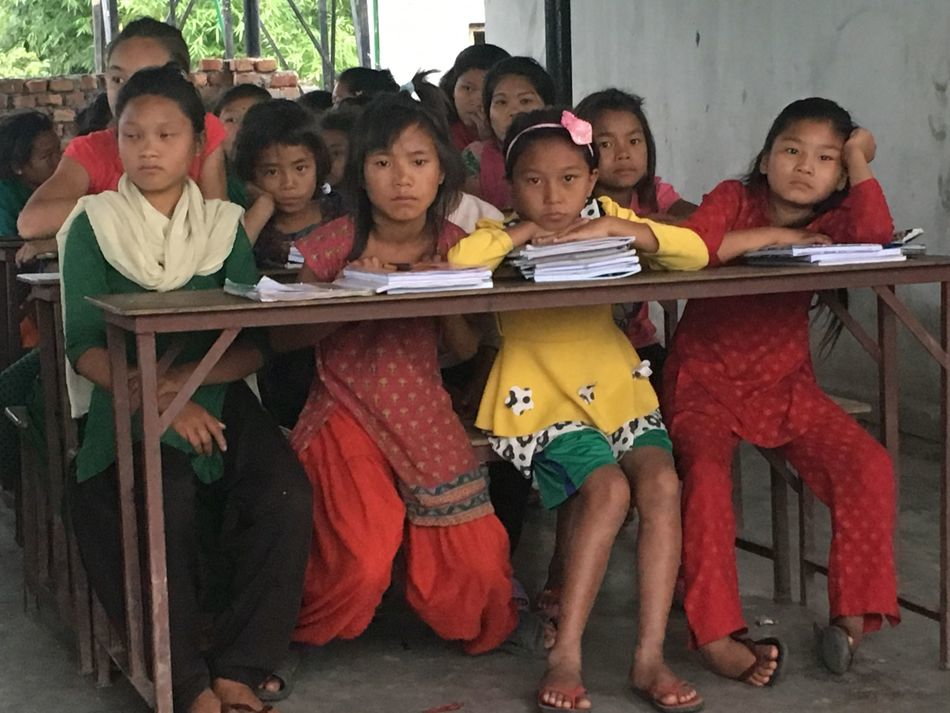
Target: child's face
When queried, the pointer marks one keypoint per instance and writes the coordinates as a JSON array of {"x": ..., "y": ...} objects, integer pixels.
[
  {"x": 341, "y": 91},
  {"x": 157, "y": 144},
  {"x": 44, "y": 158},
  {"x": 403, "y": 180},
  {"x": 289, "y": 175},
  {"x": 551, "y": 183},
  {"x": 468, "y": 97},
  {"x": 338, "y": 144},
  {"x": 513, "y": 95},
  {"x": 232, "y": 116},
  {"x": 805, "y": 166},
  {"x": 128, "y": 58},
  {"x": 623, "y": 149}
]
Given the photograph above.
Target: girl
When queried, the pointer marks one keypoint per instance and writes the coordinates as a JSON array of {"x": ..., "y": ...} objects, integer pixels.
[
  {"x": 740, "y": 369},
  {"x": 29, "y": 152},
  {"x": 281, "y": 155},
  {"x": 91, "y": 163},
  {"x": 378, "y": 436},
  {"x": 336, "y": 126},
  {"x": 589, "y": 431},
  {"x": 627, "y": 174},
  {"x": 512, "y": 86},
  {"x": 463, "y": 86},
  {"x": 230, "y": 109},
  {"x": 225, "y": 464}
]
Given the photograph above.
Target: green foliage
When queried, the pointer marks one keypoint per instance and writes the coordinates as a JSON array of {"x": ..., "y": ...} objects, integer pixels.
[{"x": 40, "y": 37}]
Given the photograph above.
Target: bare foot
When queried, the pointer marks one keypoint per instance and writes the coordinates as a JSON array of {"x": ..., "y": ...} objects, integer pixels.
[
  {"x": 562, "y": 687},
  {"x": 655, "y": 680},
  {"x": 854, "y": 626},
  {"x": 238, "y": 696},
  {"x": 206, "y": 702},
  {"x": 732, "y": 659}
]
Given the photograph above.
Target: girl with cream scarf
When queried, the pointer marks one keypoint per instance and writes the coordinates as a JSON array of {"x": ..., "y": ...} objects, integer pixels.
[{"x": 157, "y": 233}]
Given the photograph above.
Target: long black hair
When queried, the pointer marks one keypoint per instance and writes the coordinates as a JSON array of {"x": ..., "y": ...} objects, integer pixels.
[
  {"x": 592, "y": 106},
  {"x": 522, "y": 133},
  {"x": 483, "y": 56},
  {"x": 526, "y": 67},
  {"x": 168, "y": 36},
  {"x": 379, "y": 126}
]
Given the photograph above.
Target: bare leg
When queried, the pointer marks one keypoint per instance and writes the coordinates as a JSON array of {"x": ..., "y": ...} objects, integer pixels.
[
  {"x": 655, "y": 490},
  {"x": 236, "y": 693},
  {"x": 597, "y": 512},
  {"x": 206, "y": 702}
]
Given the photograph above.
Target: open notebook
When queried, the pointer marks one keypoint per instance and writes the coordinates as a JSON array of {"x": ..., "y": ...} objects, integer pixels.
[
  {"x": 268, "y": 290},
  {"x": 841, "y": 254}
]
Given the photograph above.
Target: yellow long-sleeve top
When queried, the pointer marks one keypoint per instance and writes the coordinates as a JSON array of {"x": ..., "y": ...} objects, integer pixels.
[{"x": 568, "y": 364}]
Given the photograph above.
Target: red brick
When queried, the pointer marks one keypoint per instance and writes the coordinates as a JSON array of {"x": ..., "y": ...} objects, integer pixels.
[
  {"x": 62, "y": 84},
  {"x": 279, "y": 80},
  {"x": 199, "y": 79},
  {"x": 11, "y": 86},
  {"x": 290, "y": 92},
  {"x": 24, "y": 101},
  {"x": 64, "y": 115},
  {"x": 49, "y": 99},
  {"x": 265, "y": 66},
  {"x": 249, "y": 78},
  {"x": 218, "y": 79},
  {"x": 88, "y": 83},
  {"x": 242, "y": 64},
  {"x": 35, "y": 86},
  {"x": 211, "y": 65},
  {"x": 76, "y": 99}
]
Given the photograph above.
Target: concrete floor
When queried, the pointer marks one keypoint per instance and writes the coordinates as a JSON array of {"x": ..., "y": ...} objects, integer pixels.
[{"x": 400, "y": 667}]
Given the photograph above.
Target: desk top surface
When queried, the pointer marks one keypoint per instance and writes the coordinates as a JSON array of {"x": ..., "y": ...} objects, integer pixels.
[{"x": 181, "y": 311}]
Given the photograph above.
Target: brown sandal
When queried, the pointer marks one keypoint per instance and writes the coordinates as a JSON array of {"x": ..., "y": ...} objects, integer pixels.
[{"x": 761, "y": 658}]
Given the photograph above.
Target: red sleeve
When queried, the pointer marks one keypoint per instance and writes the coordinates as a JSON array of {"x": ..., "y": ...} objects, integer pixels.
[
  {"x": 215, "y": 134},
  {"x": 863, "y": 217},
  {"x": 326, "y": 249},
  {"x": 717, "y": 215},
  {"x": 98, "y": 154}
]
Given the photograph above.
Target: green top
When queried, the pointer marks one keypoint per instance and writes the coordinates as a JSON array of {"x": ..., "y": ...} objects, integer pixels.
[
  {"x": 13, "y": 196},
  {"x": 86, "y": 273},
  {"x": 237, "y": 191}
]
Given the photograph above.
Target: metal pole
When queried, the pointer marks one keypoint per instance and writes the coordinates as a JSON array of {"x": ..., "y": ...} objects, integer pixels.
[
  {"x": 110, "y": 19},
  {"x": 322, "y": 23},
  {"x": 228, "y": 24},
  {"x": 252, "y": 28},
  {"x": 172, "y": 18},
  {"x": 330, "y": 80},
  {"x": 361, "y": 29},
  {"x": 557, "y": 36},
  {"x": 98, "y": 37}
]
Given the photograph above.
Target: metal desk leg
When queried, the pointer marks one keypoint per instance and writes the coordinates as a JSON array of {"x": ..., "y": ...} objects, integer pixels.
[{"x": 944, "y": 605}]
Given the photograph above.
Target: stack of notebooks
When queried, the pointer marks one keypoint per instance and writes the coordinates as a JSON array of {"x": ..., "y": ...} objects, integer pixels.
[
  {"x": 842, "y": 254},
  {"x": 268, "y": 290},
  {"x": 421, "y": 277},
  {"x": 605, "y": 258}
]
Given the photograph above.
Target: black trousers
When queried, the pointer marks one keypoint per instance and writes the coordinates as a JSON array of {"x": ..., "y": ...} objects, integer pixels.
[{"x": 249, "y": 532}]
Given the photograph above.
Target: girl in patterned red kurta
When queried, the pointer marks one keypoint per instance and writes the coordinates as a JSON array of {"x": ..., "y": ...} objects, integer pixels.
[
  {"x": 378, "y": 436},
  {"x": 740, "y": 369}
]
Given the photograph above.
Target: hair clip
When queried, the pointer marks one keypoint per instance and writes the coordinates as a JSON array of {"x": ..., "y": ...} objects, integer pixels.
[
  {"x": 326, "y": 189},
  {"x": 410, "y": 89}
]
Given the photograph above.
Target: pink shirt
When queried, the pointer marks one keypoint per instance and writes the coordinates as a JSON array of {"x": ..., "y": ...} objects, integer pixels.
[{"x": 98, "y": 154}]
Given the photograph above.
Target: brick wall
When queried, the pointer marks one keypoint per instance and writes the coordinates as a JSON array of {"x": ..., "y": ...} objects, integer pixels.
[{"x": 63, "y": 97}]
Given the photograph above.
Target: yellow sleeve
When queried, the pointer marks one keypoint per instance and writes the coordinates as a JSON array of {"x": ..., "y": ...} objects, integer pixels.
[
  {"x": 486, "y": 247},
  {"x": 680, "y": 248}
]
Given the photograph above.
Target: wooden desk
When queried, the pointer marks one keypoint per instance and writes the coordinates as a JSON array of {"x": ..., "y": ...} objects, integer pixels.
[
  {"x": 9, "y": 322},
  {"x": 148, "y": 314}
]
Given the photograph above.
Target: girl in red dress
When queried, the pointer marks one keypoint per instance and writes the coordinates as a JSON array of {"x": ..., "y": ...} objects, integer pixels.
[
  {"x": 390, "y": 463},
  {"x": 740, "y": 369}
]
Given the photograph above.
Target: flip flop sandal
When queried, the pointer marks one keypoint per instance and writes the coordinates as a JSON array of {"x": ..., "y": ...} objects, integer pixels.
[
  {"x": 835, "y": 648},
  {"x": 286, "y": 673},
  {"x": 572, "y": 696},
  {"x": 653, "y": 698},
  {"x": 760, "y": 659}
]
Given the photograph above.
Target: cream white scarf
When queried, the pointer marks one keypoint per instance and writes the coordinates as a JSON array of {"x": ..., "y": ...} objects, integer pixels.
[{"x": 155, "y": 251}]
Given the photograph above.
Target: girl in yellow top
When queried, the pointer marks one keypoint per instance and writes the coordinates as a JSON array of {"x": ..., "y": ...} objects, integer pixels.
[{"x": 569, "y": 402}]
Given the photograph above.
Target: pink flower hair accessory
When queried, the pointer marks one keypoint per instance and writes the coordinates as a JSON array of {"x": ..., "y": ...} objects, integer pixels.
[{"x": 582, "y": 133}]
